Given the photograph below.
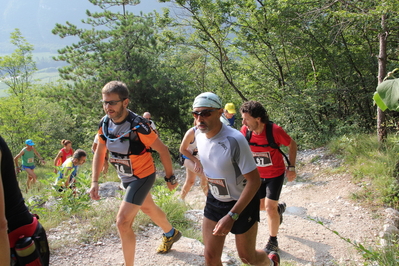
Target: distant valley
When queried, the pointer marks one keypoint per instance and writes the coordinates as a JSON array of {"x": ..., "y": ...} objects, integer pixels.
[{"x": 37, "y": 18}]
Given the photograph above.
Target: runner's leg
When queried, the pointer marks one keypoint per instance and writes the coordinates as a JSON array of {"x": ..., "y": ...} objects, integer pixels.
[
  {"x": 190, "y": 178},
  {"x": 213, "y": 244},
  {"x": 31, "y": 177},
  {"x": 247, "y": 252},
  {"x": 273, "y": 218},
  {"x": 156, "y": 214},
  {"x": 204, "y": 184},
  {"x": 124, "y": 220}
]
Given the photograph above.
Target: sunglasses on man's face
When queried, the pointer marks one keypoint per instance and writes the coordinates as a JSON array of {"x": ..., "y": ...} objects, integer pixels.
[
  {"x": 111, "y": 102},
  {"x": 203, "y": 113}
]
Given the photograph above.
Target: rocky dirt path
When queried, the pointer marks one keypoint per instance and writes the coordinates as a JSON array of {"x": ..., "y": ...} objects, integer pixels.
[{"x": 317, "y": 195}]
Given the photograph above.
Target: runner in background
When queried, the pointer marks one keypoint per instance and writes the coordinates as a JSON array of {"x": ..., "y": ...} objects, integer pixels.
[
  {"x": 28, "y": 162},
  {"x": 270, "y": 164},
  {"x": 147, "y": 116},
  {"x": 63, "y": 154},
  {"x": 190, "y": 158}
]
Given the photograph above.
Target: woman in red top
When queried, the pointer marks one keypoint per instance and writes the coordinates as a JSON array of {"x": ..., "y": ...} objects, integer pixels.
[{"x": 63, "y": 154}]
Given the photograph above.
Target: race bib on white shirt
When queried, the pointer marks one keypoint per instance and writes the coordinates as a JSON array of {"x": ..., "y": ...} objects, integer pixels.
[
  {"x": 219, "y": 188},
  {"x": 262, "y": 159}
]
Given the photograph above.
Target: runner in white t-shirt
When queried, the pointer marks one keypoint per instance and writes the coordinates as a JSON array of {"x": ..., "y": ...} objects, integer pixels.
[{"x": 232, "y": 203}]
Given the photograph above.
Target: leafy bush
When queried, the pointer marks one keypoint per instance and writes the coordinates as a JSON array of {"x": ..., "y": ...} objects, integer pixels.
[{"x": 60, "y": 206}]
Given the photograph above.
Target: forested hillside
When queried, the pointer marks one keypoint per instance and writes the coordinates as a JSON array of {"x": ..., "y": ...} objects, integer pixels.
[{"x": 314, "y": 65}]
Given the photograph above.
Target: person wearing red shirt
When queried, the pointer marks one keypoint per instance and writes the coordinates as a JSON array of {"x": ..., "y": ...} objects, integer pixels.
[
  {"x": 270, "y": 164},
  {"x": 63, "y": 154}
]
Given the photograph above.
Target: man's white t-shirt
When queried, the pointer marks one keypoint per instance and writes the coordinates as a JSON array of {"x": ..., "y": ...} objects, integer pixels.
[
  {"x": 225, "y": 158},
  {"x": 152, "y": 124}
]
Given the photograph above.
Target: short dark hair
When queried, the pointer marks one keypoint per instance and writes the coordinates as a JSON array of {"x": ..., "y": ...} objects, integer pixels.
[
  {"x": 79, "y": 153},
  {"x": 255, "y": 109},
  {"x": 65, "y": 142},
  {"x": 117, "y": 87}
]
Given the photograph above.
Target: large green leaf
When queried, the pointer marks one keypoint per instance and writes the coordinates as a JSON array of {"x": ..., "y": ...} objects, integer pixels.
[
  {"x": 380, "y": 103},
  {"x": 388, "y": 91}
]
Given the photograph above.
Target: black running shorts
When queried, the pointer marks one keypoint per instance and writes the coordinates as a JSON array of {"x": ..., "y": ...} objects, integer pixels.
[
  {"x": 216, "y": 210},
  {"x": 271, "y": 187},
  {"x": 137, "y": 190}
]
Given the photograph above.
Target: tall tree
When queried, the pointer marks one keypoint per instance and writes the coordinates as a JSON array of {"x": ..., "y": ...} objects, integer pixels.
[
  {"x": 29, "y": 110},
  {"x": 312, "y": 63},
  {"x": 17, "y": 69},
  {"x": 208, "y": 28},
  {"x": 120, "y": 45}
]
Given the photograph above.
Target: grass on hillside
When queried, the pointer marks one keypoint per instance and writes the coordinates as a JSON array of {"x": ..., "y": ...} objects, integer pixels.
[
  {"x": 374, "y": 166},
  {"x": 96, "y": 219}
]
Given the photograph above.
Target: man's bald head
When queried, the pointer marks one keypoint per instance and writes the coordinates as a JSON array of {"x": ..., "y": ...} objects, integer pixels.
[{"x": 147, "y": 115}]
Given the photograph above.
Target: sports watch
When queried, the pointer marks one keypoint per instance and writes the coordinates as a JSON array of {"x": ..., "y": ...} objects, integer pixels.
[
  {"x": 234, "y": 216},
  {"x": 171, "y": 179},
  {"x": 291, "y": 168}
]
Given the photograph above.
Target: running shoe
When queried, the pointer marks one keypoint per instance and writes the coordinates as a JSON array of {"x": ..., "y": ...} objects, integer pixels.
[
  {"x": 271, "y": 246},
  {"x": 275, "y": 258},
  {"x": 167, "y": 242},
  {"x": 281, "y": 209}
]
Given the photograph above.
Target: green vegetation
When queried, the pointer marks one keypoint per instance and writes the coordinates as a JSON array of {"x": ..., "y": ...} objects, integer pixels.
[
  {"x": 312, "y": 64},
  {"x": 375, "y": 167},
  {"x": 373, "y": 164},
  {"x": 388, "y": 256},
  {"x": 95, "y": 219},
  {"x": 315, "y": 78}
]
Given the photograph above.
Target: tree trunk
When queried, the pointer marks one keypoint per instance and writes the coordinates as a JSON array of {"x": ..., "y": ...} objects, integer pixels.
[{"x": 382, "y": 64}]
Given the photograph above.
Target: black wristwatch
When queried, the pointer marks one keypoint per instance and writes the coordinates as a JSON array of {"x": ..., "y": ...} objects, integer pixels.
[{"x": 171, "y": 179}]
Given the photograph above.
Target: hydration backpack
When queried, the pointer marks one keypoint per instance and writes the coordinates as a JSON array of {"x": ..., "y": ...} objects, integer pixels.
[
  {"x": 270, "y": 140},
  {"x": 136, "y": 147}
]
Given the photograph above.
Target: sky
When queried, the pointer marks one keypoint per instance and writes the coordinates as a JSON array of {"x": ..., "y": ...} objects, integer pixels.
[{"x": 36, "y": 18}]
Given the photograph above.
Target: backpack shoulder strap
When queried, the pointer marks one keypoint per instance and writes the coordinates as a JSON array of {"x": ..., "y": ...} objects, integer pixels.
[
  {"x": 248, "y": 135},
  {"x": 272, "y": 143},
  {"x": 136, "y": 121},
  {"x": 269, "y": 135},
  {"x": 104, "y": 125},
  {"x": 136, "y": 146}
]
